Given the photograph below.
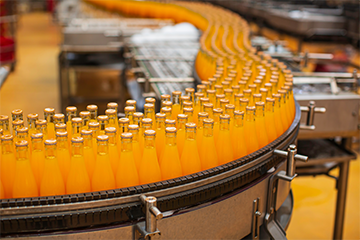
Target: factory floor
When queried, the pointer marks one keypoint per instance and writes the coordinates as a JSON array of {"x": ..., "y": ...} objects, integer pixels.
[{"x": 34, "y": 86}]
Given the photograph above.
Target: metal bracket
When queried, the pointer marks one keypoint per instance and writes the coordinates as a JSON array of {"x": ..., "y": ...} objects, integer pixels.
[
  {"x": 148, "y": 228},
  {"x": 256, "y": 219},
  {"x": 272, "y": 226},
  {"x": 311, "y": 110}
]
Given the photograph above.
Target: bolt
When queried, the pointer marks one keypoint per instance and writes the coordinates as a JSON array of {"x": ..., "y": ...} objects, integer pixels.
[{"x": 292, "y": 147}]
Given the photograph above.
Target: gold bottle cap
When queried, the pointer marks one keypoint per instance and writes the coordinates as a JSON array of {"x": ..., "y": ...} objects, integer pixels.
[
  {"x": 149, "y": 132},
  {"x": 92, "y": 107},
  {"x": 239, "y": 95},
  {"x": 110, "y": 111},
  {"x": 247, "y": 91},
  {"x": 22, "y": 130},
  {"x": 188, "y": 109},
  {"x": 223, "y": 100},
  {"x": 133, "y": 127},
  {"x": 276, "y": 95},
  {"x": 178, "y": 93},
  {"x": 71, "y": 109},
  {"x": 203, "y": 114},
  {"x": 77, "y": 140},
  {"x": 270, "y": 99},
  {"x": 102, "y": 118},
  {"x": 211, "y": 80},
  {"x": 200, "y": 86},
  {"x": 22, "y": 143},
  {"x": 252, "y": 86},
  {"x": 4, "y": 118},
  {"x": 228, "y": 90},
  {"x": 190, "y": 125},
  {"x": 60, "y": 126},
  {"x": 182, "y": 116},
  {"x": 150, "y": 100},
  {"x": 126, "y": 135},
  {"x": 129, "y": 109},
  {"x": 37, "y": 136},
  {"x": 250, "y": 108},
  {"x": 160, "y": 115},
  {"x": 263, "y": 90},
  {"x": 138, "y": 114},
  {"x": 187, "y": 104},
  {"x": 59, "y": 116},
  {"x": 199, "y": 94},
  {"x": 102, "y": 138},
  {"x": 241, "y": 82},
  {"x": 185, "y": 98},
  {"x": 218, "y": 87},
  {"x": 204, "y": 99},
  {"x": 165, "y": 97},
  {"x": 170, "y": 121},
  {"x": 50, "y": 142},
  {"x": 84, "y": 114},
  {"x": 257, "y": 81},
  {"x": 208, "y": 105},
  {"x": 94, "y": 124},
  {"x": 76, "y": 120},
  {"x": 49, "y": 110},
  {"x": 61, "y": 134},
  {"x": 110, "y": 130},
  {"x": 190, "y": 90},
  {"x": 148, "y": 105},
  {"x": 130, "y": 102},
  {"x": 146, "y": 120},
  {"x": 229, "y": 106},
  {"x": 87, "y": 132},
  {"x": 257, "y": 95},
  {"x": 238, "y": 112},
  {"x": 170, "y": 129},
  {"x": 268, "y": 85},
  {"x": 224, "y": 116},
  {"x": 218, "y": 110},
  {"x": 167, "y": 103},
  {"x": 165, "y": 109},
  {"x": 31, "y": 116},
  {"x": 208, "y": 121},
  {"x": 112, "y": 105},
  {"x": 17, "y": 112},
  {"x": 19, "y": 122},
  {"x": 282, "y": 91},
  {"x": 244, "y": 100},
  {"x": 260, "y": 104},
  {"x": 7, "y": 137},
  {"x": 124, "y": 120},
  {"x": 220, "y": 96}
]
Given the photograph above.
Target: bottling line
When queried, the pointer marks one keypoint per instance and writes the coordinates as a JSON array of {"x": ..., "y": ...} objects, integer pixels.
[{"x": 105, "y": 47}]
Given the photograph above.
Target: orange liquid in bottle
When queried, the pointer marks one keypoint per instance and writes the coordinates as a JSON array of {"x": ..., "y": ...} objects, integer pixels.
[
  {"x": 176, "y": 104},
  {"x": 52, "y": 182},
  {"x": 217, "y": 113},
  {"x": 224, "y": 146},
  {"x": 208, "y": 154},
  {"x": 37, "y": 157},
  {"x": 78, "y": 180},
  {"x": 180, "y": 138},
  {"x": 199, "y": 130},
  {"x": 134, "y": 130},
  {"x": 279, "y": 125},
  {"x": 270, "y": 120},
  {"x": 127, "y": 174},
  {"x": 260, "y": 125},
  {"x": 113, "y": 148},
  {"x": 170, "y": 163},
  {"x": 63, "y": 154},
  {"x": 8, "y": 164},
  {"x": 190, "y": 159},
  {"x": 103, "y": 176},
  {"x": 238, "y": 137},
  {"x": 24, "y": 181},
  {"x": 160, "y": 134},
  {"x": 2, "y": 192},
  {"x": 149, "y": 168},
  {"x": 250, "y": 130}
]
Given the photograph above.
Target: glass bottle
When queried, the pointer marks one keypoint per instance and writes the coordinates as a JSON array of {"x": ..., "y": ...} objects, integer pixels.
[
  {"x": 93, "y": 109},
  {"x": 261, "y": 124},
  {"x": 278, "y": 114},
  {"x": 223, "y": 145},
  {"x": 271, "y": 129},
  {"x": 170, "y": 162},
  {"x": 63, "y": 154},
  {"x": 167, "y": 112},
  {"x": 113, "y": 105},
  {"x": 184, "y": 100},
  {"x": 113, "y": 148},
  {"x": 70, "y": 113},
  {"x": 238, "y": 137},
  {"x": 4, "y": 124},
  {"x": 8, "y": 164},
  {"x": 201, "y": 88},
  {"x": 123, "y": 127},
  {"x": 164, "y": 98},
  {"x": 104, "y": 121},
  {"x": 208, "y": 154},
  {"x": 150, "y": 100},
  {"x": 18, "y": 123},
  {"x": 149, "y": 111},
  {"x": 229, "y": 95},
  {"x": 216, "y": 116},
  {"x": 160, "y": 133},
  {"x": 211, "y": 95},
  {"x": 197, "y": 106},
  {"x": 264, "y": 94},
  {"x": 149, "y": 168},
  {"x": 170, "y": 123},
  {"x": 189, "y": 111},
  {"x": 129, "y": 113},
  {"x": 256, "y": 98},
  {"x": 113, "y": 119},
  {"x": 285, "y": 111},
  {"x": 52, "y": 182},
  {"x": 95, "y": 128},
  {"x": 85, "y": 116},
  {"x": 76, "y": 124},
  {"x": 126, "y": 174},
  {"x": 218, "y": 98},
  {"x": 134, "y": 130},
  {"x": 138, "y": 116},
  {"x": 49, "y": 117},
  {"x": 190, "y": 159},
  {"x": 190, "y": 92},
  {"x": 199, "y": 132},
  {"x": 78, "y": 179},
  {"x": 17, "y": 114},
  {"x": 31, "y": 119},
  {"x": 131, "y": 103},
  {"x": 208, "y": 108},
  {"x": 176, "y": 104},
  {"x": 146, "y": 124},
  {"x": 103, "y": 176},
  {"x": 250, "y": 130},
  {"x": 223, "y": 103},
  {"x": 219, "y": 89},
  {"x": 24, "y": 180},
  {"x": 181, "y": 121}
]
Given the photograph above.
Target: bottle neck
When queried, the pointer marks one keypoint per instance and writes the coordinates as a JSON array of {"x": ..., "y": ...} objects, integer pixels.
[
  {"x": 208, "y": 130},
  {"x": 70, "y": 115},
  {"x": 269, "y": 107},
  {"x": 77, "y": 149},
  {"x": 126, "y": 145},
  {"x": 130, "y": 116},
  {"x": 37, "y": 144},
  {"x": 250, "y": 116},
  {"x": 22, "y": 153},
  {"x": 181, "y": 123},
  {"x": 112, "y": 138},
  {"x": 135, "y": 134},
  {"x": 76, "y": 128},
  {"x": 149, "y": 141},
  {"x": 86, "y": 121},
  {"x": 49, "y": 117},
  {"x": 102, "y": 147},
  {"x": 103, "y": 125},
  {"x": 146, "y": 126},
  {"x": 160, "y": 123},
  {"x": 149, "y": 113},
  {"x": 216, "y": 117},
  {"x": 171, "y": 139},
  {"x": 190, "y": 133},
  {"x": 123, "y": 127},
  {"x": 239, "y": 121},
  {"x": 93, "y": 115},
  {"x": 62, "y": 142},
  {"x": 137, "y": 121},
  {"x": 259, "y": 111},
  {"x": 23, "y": 136},
  {"x": 224, "y": 124},
  {"x": 176, "y": 99},
  {"x": 95, "y": 132},
  {"x": 31, "y": 125},
  {"x": 7, "y": 147},
  {"x": 87, "y": 140},
  {"x": 50, "y": 151}
]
